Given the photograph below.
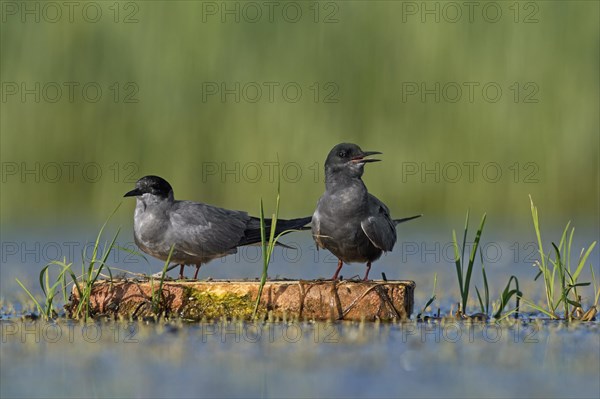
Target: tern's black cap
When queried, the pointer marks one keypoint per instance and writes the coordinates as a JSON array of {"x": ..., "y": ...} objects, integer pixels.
[{"x": 154, "y": 185}]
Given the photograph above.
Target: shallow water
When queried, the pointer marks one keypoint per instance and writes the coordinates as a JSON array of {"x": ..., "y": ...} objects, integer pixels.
[
  {"x": 442, "y": 359},
  {"x": 446, "y": 359},
  {"x": 423, "y": 249}
]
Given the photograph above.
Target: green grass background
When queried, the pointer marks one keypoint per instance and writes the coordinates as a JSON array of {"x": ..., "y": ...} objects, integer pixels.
[{"x": 368, "y": 54}]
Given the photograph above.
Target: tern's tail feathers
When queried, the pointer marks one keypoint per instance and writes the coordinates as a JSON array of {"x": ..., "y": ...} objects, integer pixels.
[
  {"x": 398, "y": 221},
  {"x": 252, "y": 233},
  {"x": 291, "y": 224}
]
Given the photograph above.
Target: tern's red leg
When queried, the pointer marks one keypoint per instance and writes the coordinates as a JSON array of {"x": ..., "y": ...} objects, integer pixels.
[
  {"x": 337, "y": 271},
  {"x": 181, "y": 276},
  {"x": 196, "y": 274},
  {"x": 367, "y": 273}
]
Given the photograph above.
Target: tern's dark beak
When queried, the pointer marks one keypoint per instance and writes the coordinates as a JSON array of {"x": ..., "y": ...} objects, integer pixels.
[
  {"x": 133, "y": 193},
  {"x": 361, "y": 157}
]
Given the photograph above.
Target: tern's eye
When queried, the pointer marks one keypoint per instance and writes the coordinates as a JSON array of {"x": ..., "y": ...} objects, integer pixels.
[{"x": 342, "y": 154}]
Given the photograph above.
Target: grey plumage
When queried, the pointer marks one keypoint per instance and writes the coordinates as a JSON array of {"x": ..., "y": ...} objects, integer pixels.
[
  {"x": 349, "y": 221},
  {"x": 200, "y": 232}
]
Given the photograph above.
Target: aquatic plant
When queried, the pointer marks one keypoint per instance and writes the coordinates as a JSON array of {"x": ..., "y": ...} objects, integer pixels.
[
  {"x": 550, "y": 267},
  {"x": 267, "y": 246},
  {"x": 431, "y": 298},
  {"x": 505, "y": 296},
  {"x": 90, "y": 271},
  {"x": 464, "y": 279},
  {"x": 47, "y": 310}
]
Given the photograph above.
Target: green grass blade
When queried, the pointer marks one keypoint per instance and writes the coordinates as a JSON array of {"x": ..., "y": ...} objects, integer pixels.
[
  {"x": 586, "y": 284},
  {"x": 485, "y": 284},
  {"x": 263, "y": 278},
  {"x": 596, "y": 286},
  {"x": 432, "y": 298},
  {"x": 41, "y": 277},
  {"x": 466, "y": 229},
  {"x": 97, "y": 242},
  {"x": 563, "y": 283},
  {"x": 536, "y": 225},
  {"x": 268, "y": 246},
  {"x": 464, "y": 243},
  {"x": 505, "y": 315},
  {"x": 263, "y": 228},
  {"x": 563, "y": 237},
  {"x": 467, "y": 281},
  {"x": 457, "y": 262},
  {"x": 105, "y": 257},
  {"x": 542, "y": 263},
  {"x": 568, "y": 251},
  {"x": 550, "y": 287},
  {"x": 582, "y": 261},
  {"x": 272, "y": 241},
  {"x": 507, "y": 294},
  {"x": 35, "y": 301},
  {"x": 480, "y": 300},
  {"x": 539, "y": 308},
  {"x": 157, "y": 296},
  {"x": 64, "y": 279}
]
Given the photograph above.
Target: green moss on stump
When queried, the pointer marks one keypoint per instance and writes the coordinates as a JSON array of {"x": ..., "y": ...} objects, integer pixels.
[{"x": 210, "y": 306}]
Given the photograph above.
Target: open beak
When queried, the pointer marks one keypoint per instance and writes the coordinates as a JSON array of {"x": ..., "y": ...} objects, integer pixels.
[
  {"x": 133, "y": 193},
  {"x": 361, "y": 158}
]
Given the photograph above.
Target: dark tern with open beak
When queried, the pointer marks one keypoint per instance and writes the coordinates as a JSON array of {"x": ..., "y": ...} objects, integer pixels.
[
  {"x": 351, "y": 223},
  {"x": 199, "y": 232}
]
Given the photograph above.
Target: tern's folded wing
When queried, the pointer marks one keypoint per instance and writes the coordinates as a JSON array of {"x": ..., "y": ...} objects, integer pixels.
[
  {"x": 204, "y": 230},
  {"x": 378, "y": 226}
]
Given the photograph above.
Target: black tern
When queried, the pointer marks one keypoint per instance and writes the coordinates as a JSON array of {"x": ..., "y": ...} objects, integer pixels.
[
  {"x": 199, "y": 232},
  {"x": 349, "y": 222}
]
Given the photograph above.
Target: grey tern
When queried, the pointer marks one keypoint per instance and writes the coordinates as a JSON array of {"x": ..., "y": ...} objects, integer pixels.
[
  {"x": 349, "y": 221},
  {"x": 198, "y": 232}
]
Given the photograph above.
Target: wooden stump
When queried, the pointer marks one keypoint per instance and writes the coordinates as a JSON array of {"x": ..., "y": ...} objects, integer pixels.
[{"x": 280, "y": 299}]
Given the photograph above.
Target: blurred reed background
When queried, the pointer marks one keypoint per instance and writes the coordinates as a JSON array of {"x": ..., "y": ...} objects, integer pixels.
[{"x": 367, "y": 59}]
